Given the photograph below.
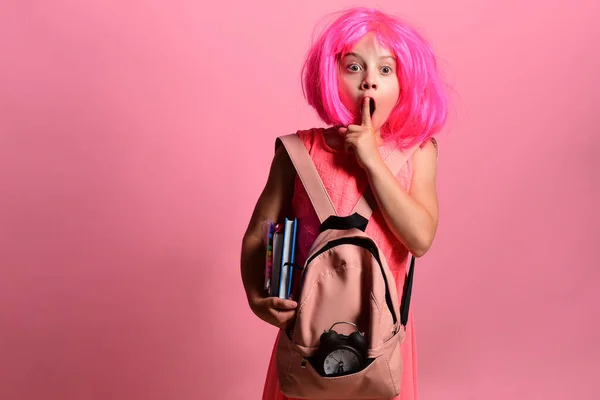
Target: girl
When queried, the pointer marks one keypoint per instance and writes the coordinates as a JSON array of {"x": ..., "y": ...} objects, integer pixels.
[{"x": 374, "y": 81}]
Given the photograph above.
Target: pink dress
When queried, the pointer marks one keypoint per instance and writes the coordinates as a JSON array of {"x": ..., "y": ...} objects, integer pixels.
[{"x": 345, "y": 180}]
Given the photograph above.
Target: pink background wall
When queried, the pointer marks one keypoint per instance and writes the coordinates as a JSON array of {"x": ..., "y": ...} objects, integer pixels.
[{"x": 135, "y": 137}]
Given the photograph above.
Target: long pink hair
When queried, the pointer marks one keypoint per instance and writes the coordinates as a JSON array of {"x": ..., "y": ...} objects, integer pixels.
[{"x": 421, "y": 110}]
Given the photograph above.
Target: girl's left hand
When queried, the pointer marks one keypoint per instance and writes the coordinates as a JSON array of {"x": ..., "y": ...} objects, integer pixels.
[{"x": 361, "y": 139}]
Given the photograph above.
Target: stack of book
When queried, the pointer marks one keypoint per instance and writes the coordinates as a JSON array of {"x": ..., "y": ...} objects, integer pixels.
[{"x": 280, "y": 239}]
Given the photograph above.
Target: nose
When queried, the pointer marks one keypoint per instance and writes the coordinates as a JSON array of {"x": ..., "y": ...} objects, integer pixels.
[{"x": 367, "y": 84}]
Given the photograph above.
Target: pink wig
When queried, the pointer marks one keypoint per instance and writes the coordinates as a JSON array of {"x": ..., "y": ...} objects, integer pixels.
[{"x": 421, "y": 110}]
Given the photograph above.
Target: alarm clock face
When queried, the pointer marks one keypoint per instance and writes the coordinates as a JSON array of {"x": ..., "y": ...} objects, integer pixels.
[{"x": 341, "y": 361}]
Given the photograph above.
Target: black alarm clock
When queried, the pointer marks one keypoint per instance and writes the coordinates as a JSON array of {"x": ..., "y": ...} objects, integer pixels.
[{"x": 340, "y": 354}]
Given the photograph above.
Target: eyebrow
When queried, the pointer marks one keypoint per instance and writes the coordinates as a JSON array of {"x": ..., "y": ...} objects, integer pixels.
[{"x": 357, "y": 56}]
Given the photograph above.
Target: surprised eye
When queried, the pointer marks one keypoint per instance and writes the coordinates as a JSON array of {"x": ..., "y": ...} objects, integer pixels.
[
  {"x": 353, "y": 67},
  {"x": 386, "y": 70}
]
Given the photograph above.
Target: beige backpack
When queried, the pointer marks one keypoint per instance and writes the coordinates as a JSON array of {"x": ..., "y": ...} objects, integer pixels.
[{"x": 345, "y": 340}]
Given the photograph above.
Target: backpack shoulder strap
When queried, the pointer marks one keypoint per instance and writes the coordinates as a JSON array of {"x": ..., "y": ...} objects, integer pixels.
[{"x": 307, "y": 172}]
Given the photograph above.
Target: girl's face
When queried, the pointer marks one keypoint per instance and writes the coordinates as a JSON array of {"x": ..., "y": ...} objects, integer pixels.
[{"x": 369, "y": 70}]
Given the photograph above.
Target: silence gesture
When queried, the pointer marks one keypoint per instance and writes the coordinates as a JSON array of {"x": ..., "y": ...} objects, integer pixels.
[{"x": 361, "y": 139}]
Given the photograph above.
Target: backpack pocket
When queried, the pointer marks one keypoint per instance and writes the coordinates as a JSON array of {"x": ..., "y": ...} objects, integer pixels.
[{"x": 380, "y": 378}]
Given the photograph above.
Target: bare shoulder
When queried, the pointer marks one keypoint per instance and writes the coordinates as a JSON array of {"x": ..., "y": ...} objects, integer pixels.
[
  {"x": 425, "y": 160},
  {"x": 428, "y": 150},
  {"x": 282, "y": 168},
  {"x": 423, "y": 186},
  {"x": 276, "y": 196}
]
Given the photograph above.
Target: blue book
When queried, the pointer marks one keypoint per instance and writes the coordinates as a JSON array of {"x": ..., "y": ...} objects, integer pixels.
[{"x": 285, "y": 265}]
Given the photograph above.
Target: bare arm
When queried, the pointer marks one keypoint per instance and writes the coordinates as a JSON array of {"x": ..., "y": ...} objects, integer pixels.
[
  {"x": 273, "y": 203},
  {"x": 412, "y": 216}
]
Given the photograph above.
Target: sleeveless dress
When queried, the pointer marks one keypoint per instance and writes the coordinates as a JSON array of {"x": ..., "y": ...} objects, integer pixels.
[{"x": 345, "y": 181}]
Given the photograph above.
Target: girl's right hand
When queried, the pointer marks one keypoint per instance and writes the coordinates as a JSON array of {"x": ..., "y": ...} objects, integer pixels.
[{"x": 274, "y": 310}]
